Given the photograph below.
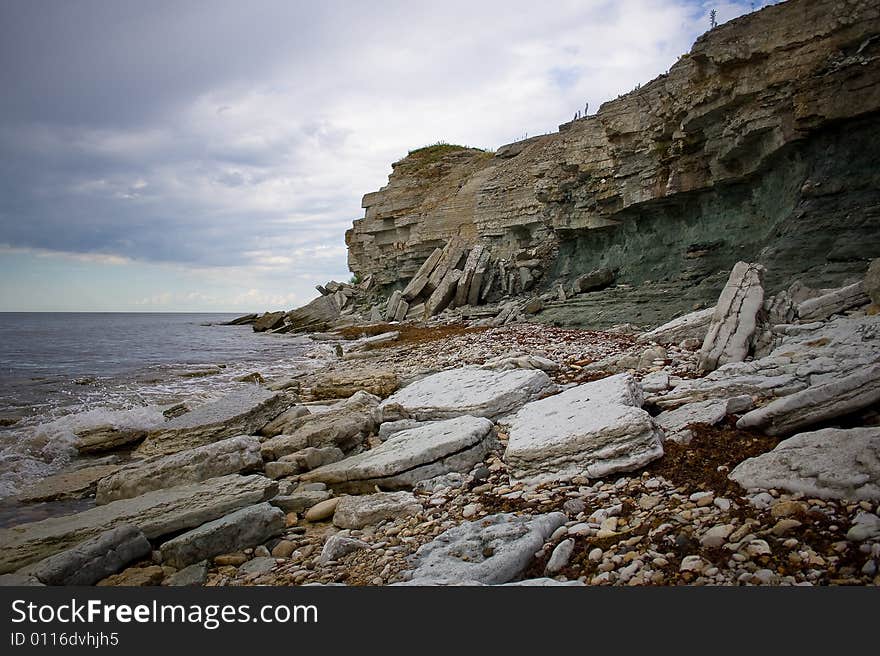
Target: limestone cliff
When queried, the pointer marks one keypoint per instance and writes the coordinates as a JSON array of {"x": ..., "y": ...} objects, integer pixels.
[{"x": 761, "y": 145}]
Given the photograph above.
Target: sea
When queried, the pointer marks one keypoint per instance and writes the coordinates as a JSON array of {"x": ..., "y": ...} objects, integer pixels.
[{"x": 65, "y": 372}]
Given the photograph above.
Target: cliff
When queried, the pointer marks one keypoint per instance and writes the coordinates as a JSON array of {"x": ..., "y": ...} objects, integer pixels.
[{"x": 761, "y": 145}]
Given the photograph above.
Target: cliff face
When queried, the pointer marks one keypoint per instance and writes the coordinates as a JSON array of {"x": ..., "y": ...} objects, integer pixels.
[{"x": 761, "y": 145}]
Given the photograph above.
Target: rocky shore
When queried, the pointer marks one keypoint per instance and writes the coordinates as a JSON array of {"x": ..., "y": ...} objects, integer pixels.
[{"x": 739, "y": 446}]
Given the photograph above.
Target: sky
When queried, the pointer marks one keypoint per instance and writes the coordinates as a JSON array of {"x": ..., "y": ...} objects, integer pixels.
[{"x": 208, "y": 156}]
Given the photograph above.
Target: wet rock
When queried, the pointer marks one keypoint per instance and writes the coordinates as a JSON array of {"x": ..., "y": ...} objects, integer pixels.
[
  {"x": 470, "y": 391},
  {"x": 229, "y": 456},
  {"x": 356, "y": 512},
  {"x": 75, "y": 484},
  {"x": 268, "y": 321},
  {"x": 237, "y": 530},
  {"x": 94, "y": 559},
  {"x": 491, "y": 550},
  {"x": 155, "y": 513},
  {"x": 243, "y": 412},
  {"x": 411, "y": 456},
  {"x": 590, "y": 430},
  {"x": 831, "y": 463},
  {"x": 107, "y": 438}
]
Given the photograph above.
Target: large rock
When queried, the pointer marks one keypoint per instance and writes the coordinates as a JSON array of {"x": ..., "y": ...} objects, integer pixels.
[
  {"x": 831, "y": 463},
  {"x": 155, "y": 513},
  {"x": 492, "y": 550},
  {"x": 471, "y": 391},
  {"x": 317, "y": 315},
  {"x": 411, "y": 456},
  {"x": 393, "y": 303},
  {"x": 356, "y": 512},
  {"x": 241, "y": 529},
  {"x": 834, "y": 302},
  {"x": 872, "y": 281},
  {"x": 815, "y": 404},
  {"x": 420, "y": 279},
  {"x": 243, "y": 412},
  {"x": 592, "y": 281},
  {"x": 92, "y": 560},
  {"x": 268, "y": 321},
  {"x": 74, "y": 484},
  {"x": 590, "y": 430},
  {"x": 286, "y": 420},
  {"x": 344, "y": 425},
  {"x": 468, "y": 271},
  {"x": 107, "y": 438},
  {"x": 343, "y": 384},
  {"x": 735, "y": 319},
  {"x": 229, "y": 456},
  {"x": 694, "y": 325},
  {"x": 441, "y": 297},
  {"x": 676, "y": 422}
]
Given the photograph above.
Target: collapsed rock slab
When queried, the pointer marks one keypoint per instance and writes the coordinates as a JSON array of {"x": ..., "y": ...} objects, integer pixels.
[
  {"x": 95, "y": 559},
  {"x": 471, "y": 391},
  {"x": 344, "y": 426},
  {"x": 107, "y": 438},
  {"x": 690, "y": 326},
  {"x": 817, "y": 403},
  {"x": 356, "y": 512},
  {"x": 155, "y": 513},
  {"x": 834, "y": 302},
  {"x": 238, "y": 530},
  {"x": 590, "y": 430},
  {"x": 418, "y": 282},
  {"x": 284, "y": 422},
  {"x": 343, "y": 384},
  {"x": 832, "y": 463},
  {"x": 243, "y": 412},
  {"x": 411, "y": 456},
  {"x": 75, "y": 484},
  {"x": 492, "y": 550},
  {"x": 268, "y": 321},
  {"x": 229, "y": 456},
  {"x": 675, "y": 422},
  {"x": 592, "y": 281},
  {"x": 736, "y": 317}
]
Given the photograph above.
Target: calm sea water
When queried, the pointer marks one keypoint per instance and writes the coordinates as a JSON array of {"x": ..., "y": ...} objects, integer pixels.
[{"x": 68, "y": 371}]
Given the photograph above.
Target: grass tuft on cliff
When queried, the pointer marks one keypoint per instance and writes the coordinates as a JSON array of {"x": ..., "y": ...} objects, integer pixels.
[{"x": 422, "y": 159}]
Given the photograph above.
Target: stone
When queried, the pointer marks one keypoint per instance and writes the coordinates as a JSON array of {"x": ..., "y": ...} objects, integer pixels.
[
  {"x": 76, "y": 484},
  {"x": 238, "y": 530},
  {"x": 376, "y": 314},
  {"x": 834, "y": 302},
  {"x": 590, "y": 430},
  {"x": 367, "y": 343},
  {"x": 492, "y": 550},
  {"x": 560, "y": 557},
  {"x": 284, "y": 421},
  {"x": 470, "y": 391},
  {"x": 229, "y": 456},
  {"x": 402, "y": 311},
  {"x": 391, "y": 306},
  {"x": 241, "y": 321},
  {"x": 468, "y": 271},
  {"x": 735, "y": 319},
  {"x": 865, "y": 526},
  {"x": 107, "y": 438},
  {"x": 709, "y": 412},
  {"x": 838, "y": 397},
  {"x": 230, "y": 560},
  {"x": 534, "y": 306},
  {"x": 281, "y": 469},
  {"x": 283, "y": 549},
  {"x": 323, "y": 510},
  {"x": 441, "y": 297},
  {"x": 520, "y": 361},
  {"x": 344, "y": 425},
  {"x": 693, "y": 564},
  {"x": 357, "y": 512},
  {"x": 315, "y": 316},
  {"x": 389, "y": 428},
  {"x": 656, "y": 381},
  {"x": 871, "y": 282},
  {"x": 242, "y": 412},
  {"x": 338, "y": 546},
  {"x": 407, "y": 457},
  {"x": 343, "y": 384},
  {"x": 268, "y": 321},
  {"x": 831, "y": 463},
  {"x": 451, "y": 256},
  {"x": 717, "y": 536},
  {"x": 94, "y": 559},
  {"x": 593, "y": 281},
  {"x": 299, "y": 502},
  {"x": 694, "y": 325},
  {"x": 155, "y": 513},
  {"x": 420, "y": 279},
  {"x": 135, "y": 577},
  {"x": 195, "y": 574},
  {"x": 257, "y": 566}
]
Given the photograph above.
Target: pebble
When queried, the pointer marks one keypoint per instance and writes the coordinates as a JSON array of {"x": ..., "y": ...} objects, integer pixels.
[
  {"x": 322, "y": 511},
  {"x": 716, "y": 536},
  {"x": 595, "y": 555},
  {"x": 692, "y": 564},
  {"x": 560, "y": 556},
  {"x": 470, "y": 510}
]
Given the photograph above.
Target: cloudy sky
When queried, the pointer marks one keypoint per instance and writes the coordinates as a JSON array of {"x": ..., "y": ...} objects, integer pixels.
[{"x": 209, "y": 155}]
